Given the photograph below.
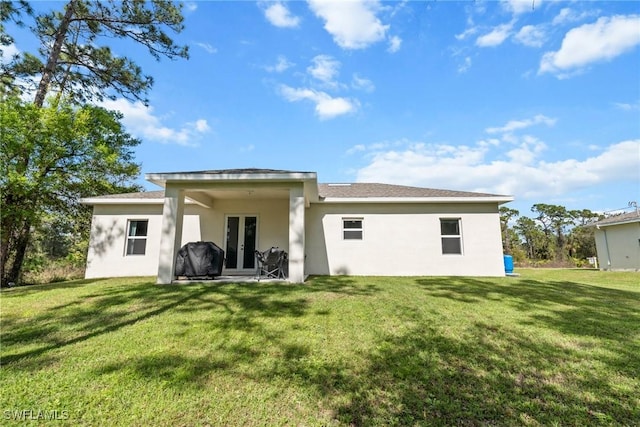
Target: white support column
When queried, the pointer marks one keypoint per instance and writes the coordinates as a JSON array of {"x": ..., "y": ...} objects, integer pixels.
[
  {"x": 296, "y": 234},
  {"x": 171, "y": 237}
]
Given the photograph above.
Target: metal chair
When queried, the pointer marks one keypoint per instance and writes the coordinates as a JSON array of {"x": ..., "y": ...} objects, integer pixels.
[{"x": 271, "y": 264}]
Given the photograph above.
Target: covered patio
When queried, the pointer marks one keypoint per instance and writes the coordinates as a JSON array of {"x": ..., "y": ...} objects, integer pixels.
[
  {"x": 231, "y": 279},
  {"x": 248, "y": 209}
]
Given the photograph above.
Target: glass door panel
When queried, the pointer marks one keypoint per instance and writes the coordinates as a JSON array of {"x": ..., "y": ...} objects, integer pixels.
[
  {"x": 231, "y": 252},
  {"x": 250, "y": 229},
  {"x": 241, "y": 239}
]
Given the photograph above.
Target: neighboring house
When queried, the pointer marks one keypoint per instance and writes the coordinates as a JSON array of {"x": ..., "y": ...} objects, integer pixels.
[
  {"x": 327, "y": 229},
  {"x": 618, "y": 242}
]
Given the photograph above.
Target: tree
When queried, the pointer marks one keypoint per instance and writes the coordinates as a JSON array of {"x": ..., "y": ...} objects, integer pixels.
[
  {"x": 74, "y": 152},
  {"x": 554, "y": 219},
  {"x": 534, "y": 238},
  {"x": 75, "y": 63},
  {"x": 11, "y": 11},
  {"x": 48, "y": 144},
  {"x": 581, "y": 239},
  {"x": 506, "y": 215}
]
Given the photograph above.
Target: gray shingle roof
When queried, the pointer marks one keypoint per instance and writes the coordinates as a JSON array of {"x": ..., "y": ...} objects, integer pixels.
[
  {"x": 245, "y": 171},
  {"x": 141, "y": 195},
  {"x": 622, "y": 218},
  {"x": 354, "y": 190},
  {"x": 360, "y": 189}
]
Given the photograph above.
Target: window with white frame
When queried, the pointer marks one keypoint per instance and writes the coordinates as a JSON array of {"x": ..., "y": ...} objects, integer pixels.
[
  {"x": 352, "y": 228},
  {"x": 451, "y": 235},
  {"x": 137, "y": 237}
]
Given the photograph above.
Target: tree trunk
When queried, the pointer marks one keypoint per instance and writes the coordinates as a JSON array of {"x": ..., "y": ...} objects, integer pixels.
[
  {"x": 54, "y": 55},
  {"x": 560, "y": 243},
  {"x": 16, "y": 232},
  {"x": 7, "y": 237},
  {"x": 11, "y": 273},
  {"x": 22, "y": 240},
  {"x": 4, "y": 251}
]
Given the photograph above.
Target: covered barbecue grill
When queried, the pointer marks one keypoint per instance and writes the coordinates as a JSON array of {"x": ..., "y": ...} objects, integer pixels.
[{"x": 199, "y": 260}]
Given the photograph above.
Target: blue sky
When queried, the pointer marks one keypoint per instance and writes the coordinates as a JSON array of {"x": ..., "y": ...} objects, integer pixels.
[{"x": 536, "y": 99}]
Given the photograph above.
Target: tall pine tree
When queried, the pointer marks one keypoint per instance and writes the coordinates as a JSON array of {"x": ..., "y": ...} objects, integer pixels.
[{"x": 74, "y": 65}]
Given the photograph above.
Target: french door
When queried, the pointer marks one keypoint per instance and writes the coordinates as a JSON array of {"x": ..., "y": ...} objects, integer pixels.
[{"x": 240, "y": 244}]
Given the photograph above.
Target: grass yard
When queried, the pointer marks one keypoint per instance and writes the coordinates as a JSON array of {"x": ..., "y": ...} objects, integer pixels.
[{"x": 551, "y": 347}]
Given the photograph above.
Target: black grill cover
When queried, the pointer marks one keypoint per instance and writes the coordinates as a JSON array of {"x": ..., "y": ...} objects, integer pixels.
[{"x": 199, "y": 259}]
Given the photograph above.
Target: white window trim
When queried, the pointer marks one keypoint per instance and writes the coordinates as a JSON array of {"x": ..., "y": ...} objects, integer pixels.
[
  {"x": 127, "y": 237},
  {"x": 452, "y": 236},
  {"x": 361, "y": 229}
]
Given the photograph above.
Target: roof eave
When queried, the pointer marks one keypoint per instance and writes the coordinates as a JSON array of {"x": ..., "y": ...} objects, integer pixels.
[
  {"x": 162, "y": 179},
  {"x": 496, "y": 199},
  {"x": 308, "y": 179},
  {"x": 92, "y": 201},
  {"x": 122, "y": 201},
  {"x": 609, "y": 224}
]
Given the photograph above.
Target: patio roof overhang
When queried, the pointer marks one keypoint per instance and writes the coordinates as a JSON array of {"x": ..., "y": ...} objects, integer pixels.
[{"x": 204, "y": 187}]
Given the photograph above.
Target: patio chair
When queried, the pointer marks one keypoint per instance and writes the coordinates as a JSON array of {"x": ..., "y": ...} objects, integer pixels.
[{"x": 271, "y": 264}]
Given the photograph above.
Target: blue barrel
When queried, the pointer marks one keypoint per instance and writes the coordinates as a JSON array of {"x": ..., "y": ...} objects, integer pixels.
[{"x": 508, "y": 264}]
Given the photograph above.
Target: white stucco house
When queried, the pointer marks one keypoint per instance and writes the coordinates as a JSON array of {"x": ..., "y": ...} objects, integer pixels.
[
  {"x": 618, "y": 242},
  {"x": 327, "y": 229}
]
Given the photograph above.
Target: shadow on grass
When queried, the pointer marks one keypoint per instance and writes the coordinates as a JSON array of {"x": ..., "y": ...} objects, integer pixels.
[
  {"x": 45, "y": 329},
  {"x": 20, "y": 291},
  {"x": 570, "y": 308},
  {"x": 493, "y": 377},
  {"x": 492, "y": 374},
  {"x": 115, "y": 307},
  {"x": 172, "y": 370}
]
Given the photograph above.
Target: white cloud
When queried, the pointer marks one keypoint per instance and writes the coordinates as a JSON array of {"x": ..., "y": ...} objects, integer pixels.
[
  {"x": 356, "y": 149},
  {"x": 361, "y": 83},
  {"x": 142, "y": 123},
  {"x": 278, "y": 14},
  {"x": 527, "y": 150},
  {"x": 495, "y": 38},
  {"x": 394, "y": 44},
  {"x": 27, "y": 85},
  {"x": 191, "y": 6},
  {"x": 521, "y": 173},
  {"x": 522, "y": 124},
  {"x": 7, "y": 53},
  {"x": 567, "y": 15},
  {"x": 282, "y": 65},
  {"x": 326, "y": 106},
  {"x": 466, "y": 33},
  {"x": 207, "y": 47},
  {"x": 464, "y": 67},
  {"x": 518, "y": 7},
  {"x": 625, "y": 106},
  {"x": 352, "y": 24},
  {"x": 531, "y": 35},
  {"x": 325, "y": 68},
  {"x": 201, "y": 126},
  {"x": 603, "y": 40}
]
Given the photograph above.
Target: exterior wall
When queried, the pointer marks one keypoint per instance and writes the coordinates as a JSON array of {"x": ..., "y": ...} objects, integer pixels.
[
  {"x": 106, "y": 256},
  {"x": 620, "y": 250},
  {"x": 273, "y": 221},
  {"x": 399, "y": 239},
  {"x": 403, "y": 240}
]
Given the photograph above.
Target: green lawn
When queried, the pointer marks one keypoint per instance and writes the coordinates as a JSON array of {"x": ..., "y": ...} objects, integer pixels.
[{"x": 551, "y": 347}]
